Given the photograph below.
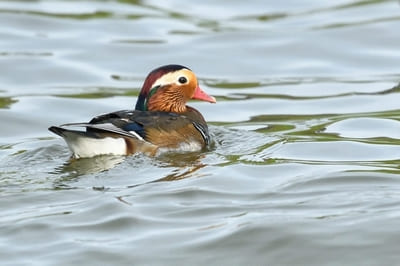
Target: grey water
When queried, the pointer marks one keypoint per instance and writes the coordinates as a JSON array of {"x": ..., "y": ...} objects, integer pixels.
[{"x": 304, "y": 169}]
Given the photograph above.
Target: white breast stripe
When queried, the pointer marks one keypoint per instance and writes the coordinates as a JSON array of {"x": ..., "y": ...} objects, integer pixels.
[
  {"x": 136, "y": 135},
  {"x": 203, "y": 132}
]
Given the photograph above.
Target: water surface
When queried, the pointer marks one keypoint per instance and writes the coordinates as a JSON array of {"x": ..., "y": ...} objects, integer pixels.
[{"x": 304, "y": 169}]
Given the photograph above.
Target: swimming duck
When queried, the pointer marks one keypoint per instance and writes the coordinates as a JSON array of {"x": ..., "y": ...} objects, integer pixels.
[{"x": 161, "y": 121}]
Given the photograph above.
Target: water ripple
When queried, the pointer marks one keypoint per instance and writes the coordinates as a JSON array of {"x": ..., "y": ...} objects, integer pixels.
[{"x": 304, "y": 168}]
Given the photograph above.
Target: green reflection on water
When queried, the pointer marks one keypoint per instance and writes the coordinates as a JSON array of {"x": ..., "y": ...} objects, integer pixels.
[
  {"x": 101, "y": 93},
  {"x": 82, "y": 16},
  {"x": 275, "y": 128},
  {"x": 6, "y": 102},
  {"x": 361, "y": 3},
  {"x": 90, "y": 95},
  {"x": 141, "y": 41},
  {"x": 133, "y": 2},
  {"x": 237, "y": 85},
  {"x": 263, "y": 17},
  {"x": 357, "y": 23}
]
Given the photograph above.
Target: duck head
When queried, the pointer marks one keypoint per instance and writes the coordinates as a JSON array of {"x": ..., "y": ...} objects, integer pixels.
[{"x": 168, "y": 88}]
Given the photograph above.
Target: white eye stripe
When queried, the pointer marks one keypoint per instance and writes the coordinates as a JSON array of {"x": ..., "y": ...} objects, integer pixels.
[{"x": 170, "y": 78}]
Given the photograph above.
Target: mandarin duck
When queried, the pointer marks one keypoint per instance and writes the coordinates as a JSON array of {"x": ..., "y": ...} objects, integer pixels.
[{"x": 161, "y": 121}]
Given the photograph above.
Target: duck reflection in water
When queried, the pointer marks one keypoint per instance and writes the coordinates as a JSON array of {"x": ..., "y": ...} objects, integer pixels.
[{"x": 177, "y": 166}]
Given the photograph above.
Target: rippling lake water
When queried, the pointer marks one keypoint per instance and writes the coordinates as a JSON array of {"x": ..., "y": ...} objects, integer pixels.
[{"x": 305, "y": 164}]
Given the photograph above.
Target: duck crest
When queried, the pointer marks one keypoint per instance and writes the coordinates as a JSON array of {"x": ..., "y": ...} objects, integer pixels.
[{"x": 148, "y": 90}]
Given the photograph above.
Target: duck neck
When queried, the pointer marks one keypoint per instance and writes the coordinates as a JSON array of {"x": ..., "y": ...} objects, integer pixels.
[{"x": 166, "y": 100}]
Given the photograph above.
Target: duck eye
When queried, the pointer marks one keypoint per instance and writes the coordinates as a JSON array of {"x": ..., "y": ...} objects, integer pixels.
[{"x": 182, "y": 80}]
